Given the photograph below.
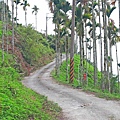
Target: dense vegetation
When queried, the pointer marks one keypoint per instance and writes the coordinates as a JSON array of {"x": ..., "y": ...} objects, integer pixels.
[
  {"x": 16, "y": 101},
  {"x": 31, "y": 51},
  {"x": 94, "y": 31},
  {"x": 34, "y": 47},
  {"x": 22, "y": 50},
  {"x": 31, "y": 48},
  {"x": 86, "y": 84}
]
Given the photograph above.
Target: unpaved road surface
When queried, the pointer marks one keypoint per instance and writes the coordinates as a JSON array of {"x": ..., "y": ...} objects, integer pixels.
[{"x": 76, "y": 104}]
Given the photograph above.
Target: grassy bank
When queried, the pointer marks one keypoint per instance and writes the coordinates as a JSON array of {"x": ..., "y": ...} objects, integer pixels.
[
  {"x": 19, "y": 103},
  {"x": 31, "y": 48},
  {"x": 89, "y": 87}
]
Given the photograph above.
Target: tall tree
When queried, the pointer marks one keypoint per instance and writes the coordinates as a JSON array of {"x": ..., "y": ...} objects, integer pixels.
[
  {"x": 94, "y": 44},
  {"x": 52, "y": 8},
  {"x": 119, "y": 13},
  {"x": 72, "y": 43},
  {"x": 66, "y": 27},
  {"x": 16, "y": 2},
  {"x": 58, "y": 8},
  {"x": 79, "y": 31},
  {"x": 13, "y": 25},
  {"x": 109, "y": 12},
  {"x": 35, "y": 10},
  {"x": 25, "y": 4},
  {"x": 7, "y": 22},
  {"x": 3, "y": 27},
  {"x": 101, "y": 41}
]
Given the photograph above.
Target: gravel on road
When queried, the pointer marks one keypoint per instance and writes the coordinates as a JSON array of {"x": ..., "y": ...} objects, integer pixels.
[{"x": 76, "y": 104}]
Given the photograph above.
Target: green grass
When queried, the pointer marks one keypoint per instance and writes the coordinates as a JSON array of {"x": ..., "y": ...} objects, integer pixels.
[
  {"x": 18, "y": 102},
  {"x": 34, "y": 47},
  {"x": 86, "y": 87},
  {"x": 8, "y": 33}
]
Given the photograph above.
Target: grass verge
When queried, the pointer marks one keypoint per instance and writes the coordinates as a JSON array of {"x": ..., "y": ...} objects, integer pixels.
[
  {"x": 89, "y": 88},
  {"x": 18, "y": 102}
]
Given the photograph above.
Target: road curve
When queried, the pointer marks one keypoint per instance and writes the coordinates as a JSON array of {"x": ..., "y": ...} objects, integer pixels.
[{"x": 76, "y": 104}]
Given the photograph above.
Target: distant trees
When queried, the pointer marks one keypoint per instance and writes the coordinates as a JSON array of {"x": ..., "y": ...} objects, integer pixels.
[
  {"x": 9, "y": 18},
  {"x": 35, "y": 10},
  {"x": 25, "y": 4},
  {"x": 16, "y": 2}
]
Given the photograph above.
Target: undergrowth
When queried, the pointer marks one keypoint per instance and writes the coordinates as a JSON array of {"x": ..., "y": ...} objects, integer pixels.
[
  {"x": 18, "y": 102},
  {"x": 34, "y": 47},
  {"x": 89, "y": 87}
]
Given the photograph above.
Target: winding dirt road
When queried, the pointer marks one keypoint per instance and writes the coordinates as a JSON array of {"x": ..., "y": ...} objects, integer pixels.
[{"x": 76, "y": 104}]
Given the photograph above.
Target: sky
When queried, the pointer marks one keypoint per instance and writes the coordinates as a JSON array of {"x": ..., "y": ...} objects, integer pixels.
[{"x": 44, "y": 9}]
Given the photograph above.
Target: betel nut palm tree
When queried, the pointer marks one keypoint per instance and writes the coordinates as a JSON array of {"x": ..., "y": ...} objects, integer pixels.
[
  {"x": 25, "y": 4},
  {"x": 16, "y": 2},
  {"x": 35, "y": 10}
]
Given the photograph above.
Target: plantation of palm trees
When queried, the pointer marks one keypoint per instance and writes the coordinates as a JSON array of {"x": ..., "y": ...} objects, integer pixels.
[
  {"x": 85, "y": 34},
  {"x": 92, "y": 24}
]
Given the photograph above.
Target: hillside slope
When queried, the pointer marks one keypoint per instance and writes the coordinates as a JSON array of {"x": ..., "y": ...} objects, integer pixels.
[
  {"x": 31, "y": 48},
  {"x": 19, "y": 103},
  {"x": 87, "y": 84},
  {"x": 76, "y": 104},
  {"x": 31, "y": 51}
]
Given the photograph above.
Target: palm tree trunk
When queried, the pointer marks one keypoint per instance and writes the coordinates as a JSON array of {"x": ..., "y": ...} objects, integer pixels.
[
  {"x": 83, "y": 55},
  {"x": 36, "y": 20},
  {"x": 60, "y": 54},
  {"x": 66, "y": 50},
  {"x": 16, "y": 13},
  {"x": 106, "y": 67},
  {"x": 58, "y": 50},
  {"x": 110, "y": 54},
  {"x": 56, "y": 46},
  {"x": 81, "y": 48},
  {"x": 72, "y": 44},
  {"x": 13, "y": 26},
  {"x": 76, "y": 41},
  {"x": 1, "y": 11},
  {"x": 3, "y": 28},
  {"x": 86, "y": 54},
  {"x": 94, "y": 47},
  {"x": 7, "y": 19},
  {"x": 103, "y": 74},
  {"x": 25, "y": 17},
  {"x": 80, "y": 69},
  {"x": 119, "y": 13},
  {"x": 90, "y": 52},
  {"x": 117, "y": 68},
  {"x": 101, "y": 44}
]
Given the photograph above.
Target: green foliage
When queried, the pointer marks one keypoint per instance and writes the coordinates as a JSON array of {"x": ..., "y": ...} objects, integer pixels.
[
  {"x": 34, "y": 46},
  {"x": 51, "y": 40},
  {"x": 19, "y": 103},
  {"x": 9, "y": 32},
  {"x": 87, "y": 16},
  {"x": 110, "y": 10},
  {"x": 102, "y": 94},
  {"x": 90, "y": 74}
]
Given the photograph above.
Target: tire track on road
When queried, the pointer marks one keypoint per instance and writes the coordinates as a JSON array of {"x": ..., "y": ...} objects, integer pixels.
[{"x": 76, "y": 104}]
